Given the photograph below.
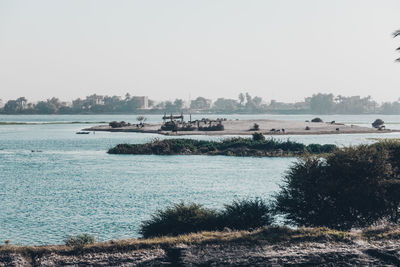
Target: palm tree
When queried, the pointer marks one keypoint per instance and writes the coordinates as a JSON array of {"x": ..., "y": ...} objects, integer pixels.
[
  {"x": 395, "y": 34},
  {"x": 241, "y": 98},
  {"x": 21, "y": 101}
]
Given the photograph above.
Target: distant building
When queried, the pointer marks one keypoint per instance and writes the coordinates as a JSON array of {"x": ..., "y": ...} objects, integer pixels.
[
  {"x": 22, "y": 103},
  {"x": 301, "y": 105},
  {"x": 142, "y": 100},
  {"x": 95, "y": 100},
  {"x": 66, "y": 104}
]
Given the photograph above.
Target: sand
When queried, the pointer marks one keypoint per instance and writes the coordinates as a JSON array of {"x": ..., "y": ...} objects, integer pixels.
[{"x": 268, "y": 127}]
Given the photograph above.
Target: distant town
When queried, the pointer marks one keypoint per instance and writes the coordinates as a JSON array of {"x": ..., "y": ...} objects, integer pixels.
[{"x": 245, "y": 104}]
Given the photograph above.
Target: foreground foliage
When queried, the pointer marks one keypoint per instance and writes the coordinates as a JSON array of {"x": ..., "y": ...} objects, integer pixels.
[
  {"x": 352, "y": 187},
  {"x": 246, "y": 214},
  {"x": 182, "y": 218}
]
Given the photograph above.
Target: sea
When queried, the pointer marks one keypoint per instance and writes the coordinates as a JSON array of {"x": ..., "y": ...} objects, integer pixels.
[{"x": 55, "y": 183}]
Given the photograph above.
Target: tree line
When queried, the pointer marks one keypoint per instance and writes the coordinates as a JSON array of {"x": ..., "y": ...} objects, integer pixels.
[{"x": 245, "y": 103}]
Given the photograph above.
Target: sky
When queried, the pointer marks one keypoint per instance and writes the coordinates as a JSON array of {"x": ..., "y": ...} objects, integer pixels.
[{"x": 166, "y": 49}]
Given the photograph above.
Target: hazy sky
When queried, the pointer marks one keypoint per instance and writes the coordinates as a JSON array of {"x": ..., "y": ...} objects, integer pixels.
[{"x": 165, "y": 49}]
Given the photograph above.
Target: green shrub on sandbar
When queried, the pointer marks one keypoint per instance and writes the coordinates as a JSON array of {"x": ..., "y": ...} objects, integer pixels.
[
  {"x": 189, "y": 218},
  {"x": 352, "y": 187},
  {"x": 80, "y": 240}
]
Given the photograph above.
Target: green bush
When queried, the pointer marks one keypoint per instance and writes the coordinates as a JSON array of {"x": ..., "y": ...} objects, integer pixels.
[
  {"x": 378, "y": 123},
  {"x": 352, "y": 187},
  {"x": 246, "y": 214},
  {"x": 180, "y": 219},
  {"x": 255, "y": 127},
  {"x": 218, "y": 127},
  {"x": 317, "y": 148},
  {"x": 258, "y": 137},
  {"x": 80, "y": 240},
  {"x": 317, "y": 120}
]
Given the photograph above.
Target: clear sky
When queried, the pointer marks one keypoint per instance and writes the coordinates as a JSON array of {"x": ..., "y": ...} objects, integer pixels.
[{"x": 167, "y": 49}]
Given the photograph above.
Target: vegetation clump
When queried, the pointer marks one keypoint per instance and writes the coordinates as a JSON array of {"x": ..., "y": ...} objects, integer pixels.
[
  {"x": 180, "y": 219},
  {"x": 141, "y": 119},
  {"x": 116, "y": 124},
  {"x": 378, "y": 123},
  {"x": 175, "y": 127},
  {"x": 80, "y": 240},
  {"x": 255, "y": 127},
  {"x": 188, "y": 218},
  {"x": 258, "y": 137},
  {"x": 246, "y": 214},
  {"x": 317, "y": 120},
  {"x": 351, "y": 187},
  {"x": 238, "y": 146},
  {"x": 217, "y": 127}
]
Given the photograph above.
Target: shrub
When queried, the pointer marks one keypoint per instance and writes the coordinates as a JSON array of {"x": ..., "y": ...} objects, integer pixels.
[
  {"x": 116, "y": 124},
  {"x": 317, "y": 120},
  {"x": 182, "y": 219},
  {"x": 187, "y": 128},
  {"x": 317, "y": 148},
  {"x": 141, "y": 119},
  {"x": 258, "y": 137},
  {"x": 80, "y": 240},
  {"x": 246, "y": 214},
  {"x": 255, "y": 127},
  {"x": 168, "y": 126},
  {"x": 179, "y": 219},
  {"x": 218, "y": 127},
  {"x": 352, "y": 187},
  {"x": 378, "y": 123}
]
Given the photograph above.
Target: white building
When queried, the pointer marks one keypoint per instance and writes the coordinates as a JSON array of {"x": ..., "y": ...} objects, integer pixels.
[{"x": 143, "y": 100}]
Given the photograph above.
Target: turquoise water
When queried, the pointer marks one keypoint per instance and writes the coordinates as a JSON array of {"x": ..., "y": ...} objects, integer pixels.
[{"x": 54, "y": 183}]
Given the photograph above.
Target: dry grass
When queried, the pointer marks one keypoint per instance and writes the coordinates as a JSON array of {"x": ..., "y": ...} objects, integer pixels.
[
  {"x": 383, "y": 231},
  {"x": 269, "y": 235}
]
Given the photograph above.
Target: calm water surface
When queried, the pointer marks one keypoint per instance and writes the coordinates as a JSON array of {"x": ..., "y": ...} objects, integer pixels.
[{"x": 54, "y": 183}]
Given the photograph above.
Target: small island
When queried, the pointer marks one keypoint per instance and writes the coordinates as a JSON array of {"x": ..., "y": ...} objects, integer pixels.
[
  {"x": 176, "y": 125},
  {"x": 257, "y": 146}
]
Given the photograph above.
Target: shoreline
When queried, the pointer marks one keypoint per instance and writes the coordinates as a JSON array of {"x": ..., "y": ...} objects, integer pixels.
[
  {"x": 274, "y": 246},
  {"x": 243, "y": 127}
]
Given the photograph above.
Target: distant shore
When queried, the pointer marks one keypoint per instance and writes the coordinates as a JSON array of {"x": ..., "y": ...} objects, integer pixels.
[{"x": 245, "y": 127}]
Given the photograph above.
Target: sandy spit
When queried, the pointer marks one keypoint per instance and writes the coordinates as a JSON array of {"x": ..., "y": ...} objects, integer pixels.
[{"x": 243, "y": 127}]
